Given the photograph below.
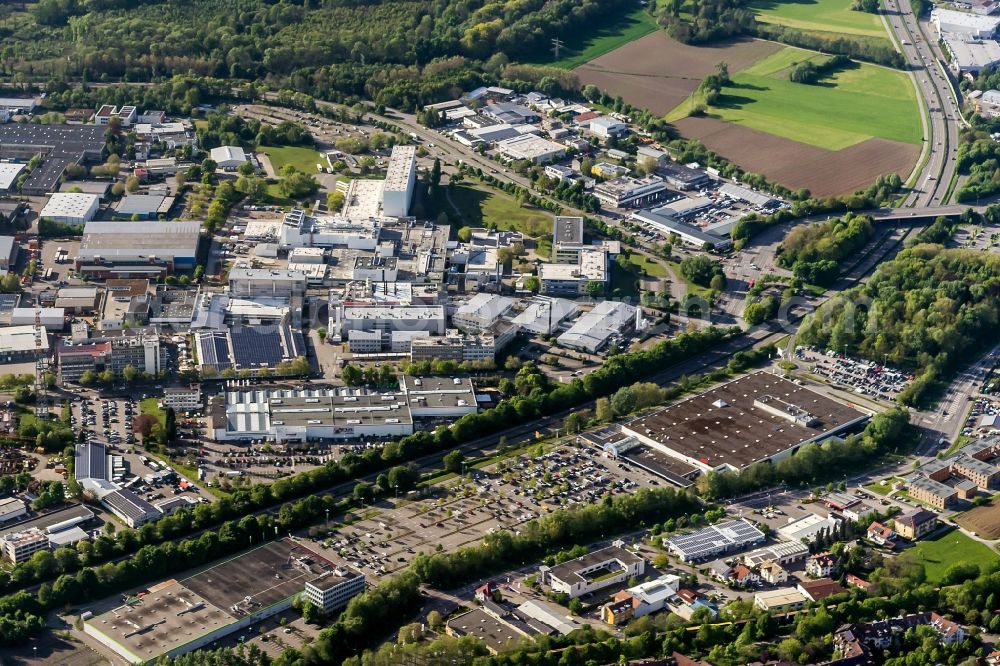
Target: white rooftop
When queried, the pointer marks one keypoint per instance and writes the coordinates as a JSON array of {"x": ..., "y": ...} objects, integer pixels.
[
  {"x": 228, "y": 154},
  {"x": 9, "y": 172},
  {"x": 20, "y": 339},
  {"x": 70, "y": 204}
]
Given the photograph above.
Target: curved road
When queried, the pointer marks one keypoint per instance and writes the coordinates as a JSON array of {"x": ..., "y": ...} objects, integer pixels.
[{"x": 939, "y": 97}]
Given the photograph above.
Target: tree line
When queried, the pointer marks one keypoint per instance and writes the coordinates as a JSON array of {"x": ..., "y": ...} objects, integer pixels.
[{"x": 814, "y": 252}]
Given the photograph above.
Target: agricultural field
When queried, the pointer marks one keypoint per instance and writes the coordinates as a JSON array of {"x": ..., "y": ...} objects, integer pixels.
[
  {"x": 983, "y": 520},
  {"x": 849, "y": 107},
  {"x": 481, "y": 208},
  {"x": 586, "y": 45},
  {"x": 941, "y": 552},
  {"x": 658, "y": 73},
  {"x": 821, "y": 16}
]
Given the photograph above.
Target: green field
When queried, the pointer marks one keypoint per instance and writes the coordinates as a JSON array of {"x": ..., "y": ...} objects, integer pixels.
[
  {"x": 827, "y": 16},
  {"x": 480, "y": 208},
  {"x": 303, "y": 159},
  {"x": 603, "y": 38},
  {"x": 647, "y": 266},
  {"x": 941, "y": 552},
  {"x": 847, "y": 108}
]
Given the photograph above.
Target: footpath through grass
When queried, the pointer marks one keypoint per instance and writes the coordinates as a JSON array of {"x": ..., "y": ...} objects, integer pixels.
[
  {"x": 823, "y": 16},
  {"x": 939, "y": 553},
  {"x": 601, "y": 37},
  {"x": 849, "y": 107}
]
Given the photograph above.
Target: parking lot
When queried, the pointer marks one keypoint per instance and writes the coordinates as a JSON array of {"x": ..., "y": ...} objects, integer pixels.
[
  {"x": 881, "y": 382},
  {"x": 383, "y": 539}
]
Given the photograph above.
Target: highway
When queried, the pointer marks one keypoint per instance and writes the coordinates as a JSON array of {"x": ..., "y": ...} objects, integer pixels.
[{"x": 935, "y": 87}]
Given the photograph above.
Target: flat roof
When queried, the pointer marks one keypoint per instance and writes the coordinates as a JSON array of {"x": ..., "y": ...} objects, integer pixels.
[
  {"x": 399, "y": 172},
  {"x": 48, "y": 520},
  {"x": 570, "y": 571},
  {"x": 9, "y": 171},
  {"x": 174, "y": 613},
  {"x": 70, "y": 204},
  {"x": 140, "y": 204},
  {"x": 567, "y": 229},
  {"x": 130, "y": 239},
  {"x": 20, "y": 339},
  {"x": 496, "y": 634},
  {"x": 727, "y": 426}
]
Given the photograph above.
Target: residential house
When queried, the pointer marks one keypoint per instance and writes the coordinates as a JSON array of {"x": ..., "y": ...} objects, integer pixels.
[
  {"x": 880, "y": 534},
  {"x": 916, "y": 524},
  {"x": 772, "y": 573},
  {"x": 821, "y": 565},
  {"x": 817, "y": 590}
]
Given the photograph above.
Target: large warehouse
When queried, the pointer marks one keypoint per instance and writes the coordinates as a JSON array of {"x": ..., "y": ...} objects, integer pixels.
[
  {"x": 59, "y": 146},
  {"x": 175, "y": 617},
  {"x": 137, "y": 249},
  {"x": 755, "y": 418},
  {"x": 298, "y": 415}
]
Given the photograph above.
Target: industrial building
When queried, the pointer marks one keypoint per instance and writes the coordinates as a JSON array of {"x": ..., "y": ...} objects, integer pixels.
[
  {"x": 228, "y": 157},
  {"x": 481, "y": 311},
  {"x": 59, "y": 146},
  {"x": 710, "y": 542},
  {"x": 137, "y": 249},
  {"x": 530, "y": 147},
  {"x": 178, "y": 616},
  {"x": 666, "y": 222},
  {"x": 629, "y": 192},
  {"x": 400, "y": 177},
  {"x": 607, "y": 127},
  {"x": 18, "y": 343},
  {"x": 242, "y": 347},
  {"x": 682, "y": 177},
  {"x": 8, "y": 254},
  {"x": 404, "y": 318},
  {"x": 593, "y": 571},
  {"x": 53, "y": 319},
  {"x": 12, "y": 508},
  {"x": 755, "y": 418},
  {"x": 543, "y": 315},
  {"x": 143, "y": 206},
  {"x": 132, "y": 509},
  {"x": 70, "y": 207},
  {"x": 266, "y": 282},
  {"x": 9, "y": 172},
  {"x": 595, "y": 329},
  {"x": 949, "y": 21}
]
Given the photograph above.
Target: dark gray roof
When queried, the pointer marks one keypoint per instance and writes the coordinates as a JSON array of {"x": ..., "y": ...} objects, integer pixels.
[{"x": 91, "y": 461}]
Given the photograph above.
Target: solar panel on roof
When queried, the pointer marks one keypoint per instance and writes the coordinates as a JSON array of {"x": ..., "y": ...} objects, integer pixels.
[{"x": 256, "y": 346}]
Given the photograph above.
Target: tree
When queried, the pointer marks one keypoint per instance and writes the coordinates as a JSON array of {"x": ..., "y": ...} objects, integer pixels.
[
  {"x": 245, "y": 169},
  {"x": 170, "y": 424},
  {"x": 335, "y": 201},
  {"x": 296, "y": 184},
  {"x": 132, "y": 184},
  {"x": 623, "y": 402},
  {"x": 108, "y": 376},
  {"x": 465, "y": 234},
  {"x": 129, "y": 372},
  {"x": 453, "y": 461},
  {"x": 701, "y": 269},
  {"x": 144, "y": 424},
  {"x": 532, "y": 284},
  {"x": 363, "y": 492},
  {"x": 604, "y": 411},
  {"x": 351, "y": 375},
  {"x": 118, "y": 189},
  {"x": 88, "y": 378}
]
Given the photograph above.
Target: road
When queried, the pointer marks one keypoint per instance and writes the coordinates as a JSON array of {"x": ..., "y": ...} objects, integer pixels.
[{"x": 935, "y": 87}]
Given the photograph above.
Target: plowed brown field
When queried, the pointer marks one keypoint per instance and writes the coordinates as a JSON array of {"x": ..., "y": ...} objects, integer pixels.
[
  {"x": 658, "y": 73},
  {"x": 797, "y": 165}
]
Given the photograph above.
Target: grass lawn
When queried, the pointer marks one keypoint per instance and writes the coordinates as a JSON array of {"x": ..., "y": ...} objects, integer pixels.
[
  {"x": 480, "y": 208},
  {"x": 275, "y": 197},
  {"x": 939, "y": 553},
  {"x": 303, "y": 159},
  {"x": 623, "y": 283},
  {"x": 689, "y": 287},
  {"x": 828, "y": 16},
  {"x": 882, "y": 487},
  {"x": 647, "y": 266},
  {"x": 601, "y": 37},
  {"x": 847, "y": 108},
  {"x": 151, "y": 406}
]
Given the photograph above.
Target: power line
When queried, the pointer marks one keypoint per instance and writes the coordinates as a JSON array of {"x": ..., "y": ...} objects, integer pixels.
[{"x": 556, "y": 45}]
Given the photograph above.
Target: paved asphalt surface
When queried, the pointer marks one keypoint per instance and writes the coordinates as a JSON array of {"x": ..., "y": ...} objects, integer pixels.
[{"x": 936, "y": 89}]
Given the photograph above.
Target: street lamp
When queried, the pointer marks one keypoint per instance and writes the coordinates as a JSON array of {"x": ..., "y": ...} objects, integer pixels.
[{"x": 328, "y": 517}]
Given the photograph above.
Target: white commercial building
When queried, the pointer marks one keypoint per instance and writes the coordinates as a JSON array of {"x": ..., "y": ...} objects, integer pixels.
[
  {"x": 593, "y": 330},
  {"x": 17, "y": 343},
  {"x": 228, "y": 157},
  {"x": 970, "y": 55},
  {"x": 265, "y": 282},
  {"x": 9, "y": 171},
  {"x": 410, "y": 318},
  {"x": 949, "y": 21},
  {"x": 628, "y": 192},
  {"x": 331, "y": 590},
  {"x": 543, "y": 315},
  {"x": 53, "y": 319},
  {"x": 400, "y": 177},
  {"x": 808, "y": 528},
  {"x": 20, "y": 546},
  {"x": 535, "y": 149},
  {"x": 606, "y": 127},
  {"x": 593, "y": 571},
  {"x": 481, "y": 311},
  {"x": 574, "y": 278},
  {"x": 71, "y": 207},
  {"x": 183, "y": 399}
]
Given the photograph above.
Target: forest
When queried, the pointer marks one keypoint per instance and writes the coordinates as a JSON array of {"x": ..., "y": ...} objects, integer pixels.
[
  {"x": 814, "y": 252},
  {"x": 394, "y": 52},
  {"x": 926, "y": 311}
]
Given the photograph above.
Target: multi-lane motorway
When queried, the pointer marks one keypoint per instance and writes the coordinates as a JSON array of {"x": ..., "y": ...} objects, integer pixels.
[{"x": 938, "y": 95}]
